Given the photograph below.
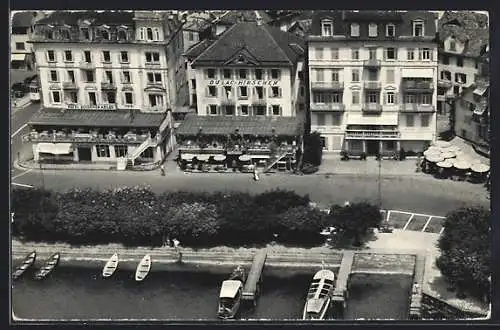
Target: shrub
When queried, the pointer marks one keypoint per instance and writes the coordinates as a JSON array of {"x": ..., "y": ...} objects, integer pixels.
[
  {"x": 466, "y": 250},
  {"x": 301, "y": 224},
  {"x": 353, "y": 222}
]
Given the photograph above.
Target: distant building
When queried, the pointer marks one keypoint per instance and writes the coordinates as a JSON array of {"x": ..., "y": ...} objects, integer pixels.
[
  {"x": 472, "y": 115},
  {"x": 249, "y": 82},
  {"x": 104, "y": 86},
  {"x": 297, "y": 22},
  {"x": 463, "y": 38},
  {"x": 20, "y": 49},
  {"x": 228, "y": 18},
  {"x": 373, "y": 77}
]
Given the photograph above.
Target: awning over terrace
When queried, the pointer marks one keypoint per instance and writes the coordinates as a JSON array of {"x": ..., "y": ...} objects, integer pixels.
[{"x": 55, "y": 148}]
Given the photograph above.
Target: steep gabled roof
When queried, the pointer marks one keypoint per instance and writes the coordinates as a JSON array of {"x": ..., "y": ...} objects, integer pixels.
[
  {"x": 467, "y": 27},
  {"x": 195, "y": 50},
  {"x": 235, "y": 16},
  {"x": 61, "y": 17},
  {"x": 267, "y": 45},
  {"x": 22, "y": 19}
]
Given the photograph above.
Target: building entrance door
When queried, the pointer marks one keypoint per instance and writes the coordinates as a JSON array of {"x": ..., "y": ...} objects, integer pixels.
[
  {"x": 372, "y": 148},
  {"x": 84, "y": 154}
]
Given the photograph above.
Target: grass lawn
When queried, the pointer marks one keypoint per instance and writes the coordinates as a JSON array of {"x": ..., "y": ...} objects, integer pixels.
[
  {"x": 417, "y": 223},
  {"x": 435, "y": 225},
  {"x": 398, "y": 220}
]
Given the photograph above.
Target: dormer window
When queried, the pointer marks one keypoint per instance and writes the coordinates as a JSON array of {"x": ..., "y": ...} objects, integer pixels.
[
  {"x": 372, "y": 30},
  {"x": 149, "y": 34},
  {"x": 49, "y": 34},
  {"x": 65, "y": 34},
  {"x": 390, "y": 30},
  {"x": 326, "y": 28},
  {"x": 354, "y": 30},
  {"x": 105, "y": 34},
  {"x": 418, "y": 28},
  {"x": 85, "y": 33},
  {"x": 122, "y": 35},
  {"x": 453, "y": 45}
]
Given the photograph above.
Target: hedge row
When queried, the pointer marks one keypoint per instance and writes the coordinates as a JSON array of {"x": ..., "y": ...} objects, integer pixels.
[{"x": 137, "y": 216}]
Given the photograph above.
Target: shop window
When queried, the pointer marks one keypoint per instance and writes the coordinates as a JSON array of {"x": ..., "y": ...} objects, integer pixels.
[
  {"x": 102, "y": 151},
  {"x": 121, "y": 150}
]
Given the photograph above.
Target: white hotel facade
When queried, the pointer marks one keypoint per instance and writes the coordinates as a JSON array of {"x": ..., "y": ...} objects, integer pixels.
[{"x": 373, "y": 78}]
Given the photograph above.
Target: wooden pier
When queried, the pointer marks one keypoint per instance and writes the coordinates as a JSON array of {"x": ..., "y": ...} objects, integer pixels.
[{"x": 253, "y": 285}]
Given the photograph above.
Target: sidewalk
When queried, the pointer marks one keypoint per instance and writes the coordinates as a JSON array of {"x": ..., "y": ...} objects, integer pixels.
[{"x": 331, "y": 164}]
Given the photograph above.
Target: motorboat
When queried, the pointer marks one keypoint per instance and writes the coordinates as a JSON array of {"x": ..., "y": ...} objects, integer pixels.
[
  {"x": 230, "y": 294},
  {"x": 110, "y": 266},
  {"x": 143, "y": 268},
  {"x": 28, "y": 261},
  {"x": 48, "y": 266},
  {"x": 319, "y": 295}
]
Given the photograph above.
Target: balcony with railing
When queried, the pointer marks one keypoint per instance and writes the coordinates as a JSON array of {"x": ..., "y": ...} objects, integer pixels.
[
  {"x": 108, "y": 85},
  {"x": 372, "y": 85},
  {"x": 69, "y": 85},
  {"x": 444, "y": 83},
  {"x": 371, "y": 134},
  {"x": 371, "y": 63},
  {"x": 62, "y": 137},
  {"x": 416, "y": 107},
  {"x": 372, "y": 107},
  {"x": 330, "y": 85},
  {"x": 409, "y": 85},
  {"x": 327, "y": 107},
  {"x": 87, "y": 65}
]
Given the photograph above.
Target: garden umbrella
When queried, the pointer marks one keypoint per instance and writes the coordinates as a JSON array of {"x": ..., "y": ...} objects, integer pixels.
[
  {"x": 187, "y": 156},
  {"x": 434, "y": 148},
  {"x": 245, "y": 158},
  {"x": 442, "y": 144},
  {"x": 445, "y": 164},
  {"x": 219, "y": 158},
  {"x": 462, "y": 165},
  {"x": 480, "y": 168},
  {"x": 452, "y": 148},
  {"x": 448, "y": 154},
  {"x": 432, "y": 152},
  {"x": 203, "y": 158},
  {"x": 434, "y": 158}
]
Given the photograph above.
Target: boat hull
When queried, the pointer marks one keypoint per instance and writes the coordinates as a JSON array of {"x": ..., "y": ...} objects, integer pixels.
[
  {"x": 110, "y": 266},
  {"x": 27, "y": 263},
  {"x": 143, "y": 268}
]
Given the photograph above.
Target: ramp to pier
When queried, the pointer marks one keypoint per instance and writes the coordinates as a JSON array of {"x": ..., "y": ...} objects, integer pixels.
[
  {"x": 251, "y": 290},
  {"x": 344, "y": 273}
]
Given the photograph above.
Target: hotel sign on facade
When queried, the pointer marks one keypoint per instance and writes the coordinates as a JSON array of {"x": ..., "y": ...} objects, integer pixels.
[
  {"x": 228, "y": 82},
  {"x": 74, "y": 106}
]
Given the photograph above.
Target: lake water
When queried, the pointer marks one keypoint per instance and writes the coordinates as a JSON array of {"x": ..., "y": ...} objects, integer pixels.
[{"x": 79, "y": 293}]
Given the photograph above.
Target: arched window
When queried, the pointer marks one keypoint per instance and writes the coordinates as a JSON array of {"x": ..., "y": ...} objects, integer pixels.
[
  {"x": 122, "y": 35},
  {"x": 149, "y": 33},
  {"x": 141, "y": 33},
  {"x": 157, "y": 34},
  {"x": 372, "y": 30}
]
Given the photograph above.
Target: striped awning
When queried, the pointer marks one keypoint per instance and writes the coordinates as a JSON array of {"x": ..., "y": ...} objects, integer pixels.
[
  {"x": 17, "y": 57},
  {"x": 55, "y": 148}
]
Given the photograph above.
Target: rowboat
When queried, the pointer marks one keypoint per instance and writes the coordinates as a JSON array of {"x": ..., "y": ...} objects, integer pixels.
[
  {"x": 319, "y": 295},
  {"x": 48, "y": 266},
  {"x": 143, "y": 268},
  {"x": 23, "y": 267},
  {"x": 110, "y": 266}
]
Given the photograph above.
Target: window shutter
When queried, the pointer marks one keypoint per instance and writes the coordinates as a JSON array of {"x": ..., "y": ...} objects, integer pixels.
[
  {"x": 207, "y": 93},
  {"x": 281, "y": 110},
  {"x": 270, "y": 108},
  {"x": 279, "y": 91},
  {"x": 123, "y": 98},
  {"x": 217, "y": 109},
  {"x": 263, "y": 92},
  {"x": 419, "y": 54},
  {"x": 239, "y": 91},
  {"x": 48, "y": 75},
  {"x": 396, "y": 98}
]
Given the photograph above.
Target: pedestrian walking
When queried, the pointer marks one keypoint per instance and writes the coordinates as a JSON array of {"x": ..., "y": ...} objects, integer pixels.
[
  {"x": 255, "y": 175},
  {"x": 162, "y": 170}
]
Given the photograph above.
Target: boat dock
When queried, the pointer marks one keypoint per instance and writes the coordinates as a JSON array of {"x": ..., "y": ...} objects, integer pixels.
[
  {"x": 252, "y": 288},
  {"x": 416, "y": 293}
]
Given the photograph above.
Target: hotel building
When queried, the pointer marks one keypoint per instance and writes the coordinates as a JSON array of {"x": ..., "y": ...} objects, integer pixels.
[
  {"x": 104, "y": 86},
  {"x": 463, "y": 39},
  {"x": 373, "y": 79},
  {"x": 249, "y": 80}
]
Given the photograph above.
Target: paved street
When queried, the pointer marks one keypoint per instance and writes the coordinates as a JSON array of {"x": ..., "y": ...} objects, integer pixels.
[
  {"x": 19, "y": 118},
  {"x": 417, "y": 194}
]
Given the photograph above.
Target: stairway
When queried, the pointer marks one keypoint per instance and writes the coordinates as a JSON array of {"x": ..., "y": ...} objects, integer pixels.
[
  {"x": 138, "y": 151},
  {"x": 274, "y": 159}
]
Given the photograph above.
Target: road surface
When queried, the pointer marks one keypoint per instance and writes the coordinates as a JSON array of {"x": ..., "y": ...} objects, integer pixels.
[{"x": 419, "y": 194}]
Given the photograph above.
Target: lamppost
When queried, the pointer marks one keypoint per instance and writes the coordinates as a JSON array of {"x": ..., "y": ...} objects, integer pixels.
[{"x": 379, "y": 180}]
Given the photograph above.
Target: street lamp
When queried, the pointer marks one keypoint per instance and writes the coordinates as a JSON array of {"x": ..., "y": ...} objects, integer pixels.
[{"x": 380, "y": 180}]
